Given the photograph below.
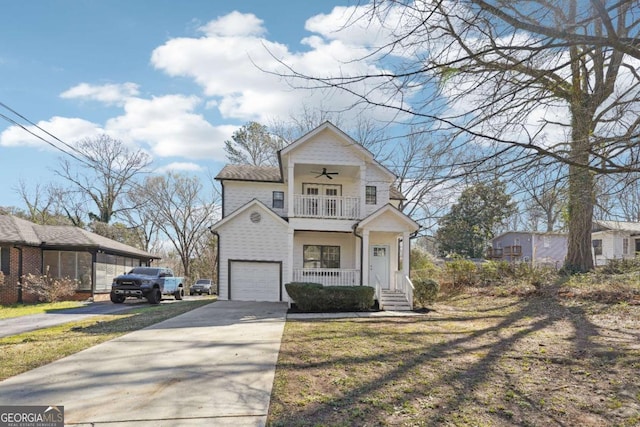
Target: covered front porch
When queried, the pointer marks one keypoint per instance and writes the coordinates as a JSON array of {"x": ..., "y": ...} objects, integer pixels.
[{"x": 373, "y": 255}]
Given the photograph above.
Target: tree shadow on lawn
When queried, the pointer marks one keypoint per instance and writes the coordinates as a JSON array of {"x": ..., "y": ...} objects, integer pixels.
[{"x": 539, "y": 364}]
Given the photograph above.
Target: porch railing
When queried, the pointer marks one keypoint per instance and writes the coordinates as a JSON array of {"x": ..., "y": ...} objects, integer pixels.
[
  {"x": 327, "y": 276},
  {"x": 405, "y": 285},
  {"x": 334, "y": 207}
]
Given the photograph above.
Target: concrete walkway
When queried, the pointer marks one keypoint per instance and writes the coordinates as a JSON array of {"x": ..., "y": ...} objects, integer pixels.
[{"x": 212, "y": 366}]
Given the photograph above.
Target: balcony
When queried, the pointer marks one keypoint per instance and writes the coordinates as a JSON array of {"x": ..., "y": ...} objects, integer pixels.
[
  {"x": 509, "y": 252},
  {"x": 327, "y": 276},
  {"x": 330, "y": 207}
]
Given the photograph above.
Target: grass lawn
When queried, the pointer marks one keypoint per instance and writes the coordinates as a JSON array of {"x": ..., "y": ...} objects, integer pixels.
[
  {"x": 23, "y": 352},
  {"x": 476, "y": 359},
  {"x": 17, "y": 310}
]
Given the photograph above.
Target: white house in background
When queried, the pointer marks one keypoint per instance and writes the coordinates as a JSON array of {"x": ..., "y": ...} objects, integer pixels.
[
  {"x": 538, "y": 248},
  {"x": 328, "y": 214},
  {"x": 614, "y": 240}
]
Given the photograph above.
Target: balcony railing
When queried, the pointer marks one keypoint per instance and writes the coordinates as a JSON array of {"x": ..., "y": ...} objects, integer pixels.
[
  {"x": 333, "y": 207},
  {"x": 507, "y": 251},
  {"x": 327, "y": 276}
]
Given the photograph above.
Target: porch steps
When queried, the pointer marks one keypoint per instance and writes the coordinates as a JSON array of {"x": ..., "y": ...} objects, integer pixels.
[{"x": 394, "y": 301}]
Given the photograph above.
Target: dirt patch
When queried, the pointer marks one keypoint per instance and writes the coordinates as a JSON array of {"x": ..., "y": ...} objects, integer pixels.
[{"x": 474, "y": 360}]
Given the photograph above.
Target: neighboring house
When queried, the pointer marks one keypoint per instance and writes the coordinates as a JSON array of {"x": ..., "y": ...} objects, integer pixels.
[
  {"x": 536, "y": 247},
  {"x": 66, "y": 251},
  {"x": 328, "y": 214},
  {"x": 614, "y": 240}
]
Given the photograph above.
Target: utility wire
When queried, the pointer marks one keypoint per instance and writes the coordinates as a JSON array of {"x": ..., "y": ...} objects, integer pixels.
[{"x": 57, "y": 147}]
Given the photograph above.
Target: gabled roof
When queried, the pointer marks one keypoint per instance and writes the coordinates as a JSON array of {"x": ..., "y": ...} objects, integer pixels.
[
  {"x": 255, "y": 203},
  {"x": 388, "y": 209},
  {"x": 355, "y": 145},
  {"x": 601, "y": 225},
  {"x": 17, "y": 231},
  {"x": 250, "y": 173}
]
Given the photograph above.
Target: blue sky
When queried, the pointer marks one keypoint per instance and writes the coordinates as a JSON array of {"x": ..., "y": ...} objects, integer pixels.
[{"x": 172, "y": 78}]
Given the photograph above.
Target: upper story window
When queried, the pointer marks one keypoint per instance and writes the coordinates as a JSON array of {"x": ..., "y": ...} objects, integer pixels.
[
  {"x": 371, "y": 195},
  {"x": 278, "y": 200}
]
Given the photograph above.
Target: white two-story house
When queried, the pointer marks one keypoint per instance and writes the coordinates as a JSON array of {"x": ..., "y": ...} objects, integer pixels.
[{"x": 328, "y": 214}]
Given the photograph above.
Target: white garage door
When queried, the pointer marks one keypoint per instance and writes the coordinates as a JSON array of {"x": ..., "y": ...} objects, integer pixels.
[{"x": 255, "y": 281}]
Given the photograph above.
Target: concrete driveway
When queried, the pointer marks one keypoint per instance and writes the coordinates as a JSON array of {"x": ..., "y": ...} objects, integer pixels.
[{"x": 213, "y": 366}]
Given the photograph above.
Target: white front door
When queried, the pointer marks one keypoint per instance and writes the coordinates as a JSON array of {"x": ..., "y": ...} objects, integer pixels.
[{"x": 379, "y": 265}]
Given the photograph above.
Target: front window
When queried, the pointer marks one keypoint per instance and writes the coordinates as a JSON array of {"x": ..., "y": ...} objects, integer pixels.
[
  {"x": 318, "y": 256},
  {"x": 278, "y": 200},
  {"x": 4, "y": 260},
  {"x": 625, "y": 246},
  {"x": 371, "y": 197},
  {"x": 597, "y": 246}
]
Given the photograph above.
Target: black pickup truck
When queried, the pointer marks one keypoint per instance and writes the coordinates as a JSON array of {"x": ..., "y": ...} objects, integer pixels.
[{"x": 147, "y": 282}]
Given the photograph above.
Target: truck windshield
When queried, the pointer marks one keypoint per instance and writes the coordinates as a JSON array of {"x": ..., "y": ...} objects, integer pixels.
[{"x": 147, "y": 271}]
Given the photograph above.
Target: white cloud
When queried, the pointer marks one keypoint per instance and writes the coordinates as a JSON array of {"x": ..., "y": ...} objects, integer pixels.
[
  {"x": 170, "y": 126},
  {"x": 229, "y": 59},
  {"x": 111, "y": 94},
  {"x": 180, "y": 166},
  {"x": 66, "y": 129}
]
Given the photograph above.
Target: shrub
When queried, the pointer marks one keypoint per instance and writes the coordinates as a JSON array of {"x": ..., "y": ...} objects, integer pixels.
[
  {"x": 492, "y": 272},
  {"x": 47, "y": 288},
  {"x": 462, "y": 272},
  {"x": 314, "y": 297},
  {"x": 425, "y": 290},
  {"x": 621, "y": 266}
]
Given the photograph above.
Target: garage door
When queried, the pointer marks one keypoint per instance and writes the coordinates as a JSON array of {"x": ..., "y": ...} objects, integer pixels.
[{"x": 255, "y": 280}]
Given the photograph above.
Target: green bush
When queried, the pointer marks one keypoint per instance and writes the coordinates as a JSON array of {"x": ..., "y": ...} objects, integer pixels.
[
  {"x": 425, "y": 290},
  {"x": 462, "y": 272},
  {"x": 314, "y": 297},
  {"x": 621, "y": 266}
]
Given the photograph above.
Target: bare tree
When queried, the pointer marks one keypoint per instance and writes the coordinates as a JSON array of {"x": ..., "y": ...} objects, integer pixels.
[
  {"x": 253, "y": 144},
  {"x": 107, "y": 172},
  {"x": 530, "y": 78},
  {"x": 546, "y": 193},
  {"x": 178, "y": 209},
  {"x": 43, "y": 204}
]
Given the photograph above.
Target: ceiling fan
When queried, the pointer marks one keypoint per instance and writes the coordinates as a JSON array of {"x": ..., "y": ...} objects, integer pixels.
[{"x": 325, "y": 173}]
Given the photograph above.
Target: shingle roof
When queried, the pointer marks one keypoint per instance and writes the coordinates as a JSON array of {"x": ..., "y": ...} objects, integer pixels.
[
  {"x": 395, "y": 194},
  {"x": 250, "y": 173},
  {"x": 15, "y": 230},
  {"x": 616, "y": 225}
]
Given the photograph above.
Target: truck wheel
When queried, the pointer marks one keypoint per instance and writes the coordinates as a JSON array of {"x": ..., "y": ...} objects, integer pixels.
[
  {"x": 179, "y": 293},
  {"x": 208, "y": 291},
  {"x": 155, "y": 296},
  {"x": 117, "y": 299}
]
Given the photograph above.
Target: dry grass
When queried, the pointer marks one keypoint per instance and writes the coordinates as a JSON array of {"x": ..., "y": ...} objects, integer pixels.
[
  {"x": 23, "y": 352},
  {"x": 476, "y": 359}
]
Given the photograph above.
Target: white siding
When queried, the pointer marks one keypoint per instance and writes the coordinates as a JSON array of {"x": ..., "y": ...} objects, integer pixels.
[
  {"x": 326, "y": 149},
  {"x": 242, "y": 239},
  {"x": 376, "y": 178},
  {"x": 239, "y": 193}
]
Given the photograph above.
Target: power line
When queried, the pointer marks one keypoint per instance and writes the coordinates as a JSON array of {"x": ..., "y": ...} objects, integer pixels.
[{"x": 57, "y": 147}]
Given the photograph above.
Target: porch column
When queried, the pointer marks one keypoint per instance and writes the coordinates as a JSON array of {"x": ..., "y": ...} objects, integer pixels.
[
  {"x": 363, "y": 191},
  {"x": 290, "y": 191},
  {"x": 288, "y": 276},
  {"x": 365, "y": 258},
  {"x": 406, "y": 251}
]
